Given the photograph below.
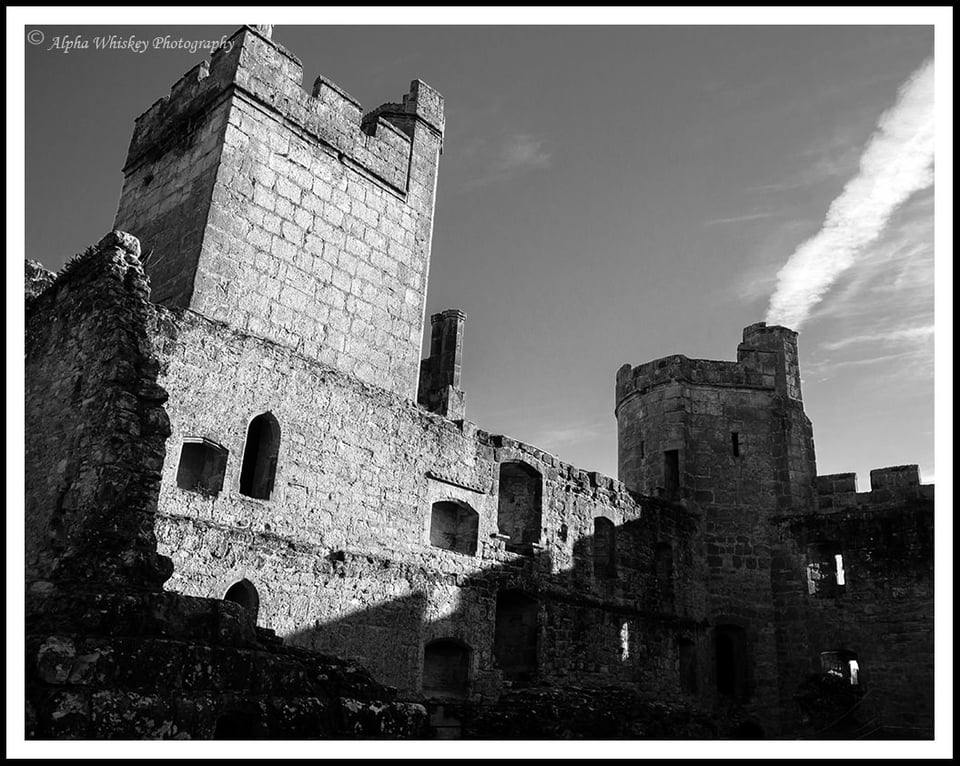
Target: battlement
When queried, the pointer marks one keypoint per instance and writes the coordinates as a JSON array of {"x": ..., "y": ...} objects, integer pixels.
[
  {"x": 766, "y": 360},
  {"x": 893, "y": 484},
  {"x": 289, "y": 215},
  {"x": 693, "y": 428},
  {"x": 252, "y": 64},
  {"x": 645, "y": 377}
]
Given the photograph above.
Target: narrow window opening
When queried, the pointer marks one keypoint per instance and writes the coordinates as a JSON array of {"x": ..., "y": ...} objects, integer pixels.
[
  {"x": 671, "y": 472},
  {"x": 518, "y": 512},
  {"x": 604, "y": 547},
  {"x": 735, "y": 443},
  {"x": 446, "y": 668},
  {"x": 453, "y": 526},
  {"x": 643, "y": 450},
  {"x": 260, "y": 457},
  {"x": 203, "y": 464},
  {"x": 841, "y": 578},
  {"x": 625, "y": 641},
  {"x": 245, "y": 594}
]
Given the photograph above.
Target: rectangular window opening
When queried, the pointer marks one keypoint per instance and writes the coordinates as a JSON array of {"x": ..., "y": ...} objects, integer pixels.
[
  {"x": 854, "y": 670},
  {"x": 735, "y": 442},
  {"x": 841, "y": 579},
  {"x": 202, "y": 466},
  {"x": 671, "y": 472}
]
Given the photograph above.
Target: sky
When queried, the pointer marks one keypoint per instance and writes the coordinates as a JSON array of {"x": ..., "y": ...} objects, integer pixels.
[{"x": 607, "y": 195}]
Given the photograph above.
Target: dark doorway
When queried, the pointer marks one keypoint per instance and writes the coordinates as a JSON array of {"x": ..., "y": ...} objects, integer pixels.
[
  {"x": 731, "y": 652},
  {"x": 515, "y": 636},
  {"x": 446, "y": 668},
  {"x": 245, "y": 594}
]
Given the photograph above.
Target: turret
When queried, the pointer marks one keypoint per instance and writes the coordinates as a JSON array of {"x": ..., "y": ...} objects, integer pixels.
[
  {"x": 440, "y": 373},
  {"x": 715, "y": 433}
]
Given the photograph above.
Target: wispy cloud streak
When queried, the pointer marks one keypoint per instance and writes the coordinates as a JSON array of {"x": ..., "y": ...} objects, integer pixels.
[
  {"x": 895, "y": 336},
  {"x": 897, "y": 162},
  {"x": 738, "y": 219}
]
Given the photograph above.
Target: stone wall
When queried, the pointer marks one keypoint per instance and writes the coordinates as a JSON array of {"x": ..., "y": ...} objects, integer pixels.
[
  {"x": 108, "y": 653},
  {"x": 882, "y": 613},
  {"x": 287, "y": 215},
  {"x": 729, "y": 440},
  {"x": 341, "y": 552},
  {"x": 95, "y": 424}
]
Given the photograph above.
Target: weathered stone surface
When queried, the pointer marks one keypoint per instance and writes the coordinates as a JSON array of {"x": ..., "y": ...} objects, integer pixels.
[
  {"x": 265, "y": 433},
  {"x": 109, "y": 655},
  {"x": 289, "y": 216}
]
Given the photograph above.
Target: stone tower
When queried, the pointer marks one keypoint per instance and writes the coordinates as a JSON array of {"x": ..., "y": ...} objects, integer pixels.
[
  {"x": 731, "y": 442},
  {"x": 715, "y": 433},
  {"x": 288, "y": 215}
]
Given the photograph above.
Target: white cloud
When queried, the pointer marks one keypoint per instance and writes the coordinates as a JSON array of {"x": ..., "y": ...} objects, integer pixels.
[
  {"x": 495, "y": 159},
  {"x": 523, "y": 150},
  {"x": 897, "y": 162}
]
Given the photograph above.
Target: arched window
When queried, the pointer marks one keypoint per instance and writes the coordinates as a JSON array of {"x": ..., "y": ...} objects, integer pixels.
[
  {"x": 260, "y": 457},
  {"x": 518, "y": 513},
  {"x": 245, "y": 594},
  {"x": 515, "y": 635},
  {"x": 446, "y": 668},
  {"x": 454, "y": 526},
  {"x": 202, "y": 465},
  {"x": 731, "y": 653},
  {"x": 604, "y": 547}
]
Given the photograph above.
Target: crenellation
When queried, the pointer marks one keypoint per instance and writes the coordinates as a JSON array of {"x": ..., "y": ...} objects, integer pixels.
[{"x": 263, "y": 433}]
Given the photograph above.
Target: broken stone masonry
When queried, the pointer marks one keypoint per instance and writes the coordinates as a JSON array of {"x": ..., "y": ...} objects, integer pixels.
[{"x": 240, "y": 470}]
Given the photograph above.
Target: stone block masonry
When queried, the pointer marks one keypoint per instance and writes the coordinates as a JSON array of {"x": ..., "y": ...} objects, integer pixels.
[
  {"x": 342, "y": 552},
  {"x": 245, "y": 472},
  {"x": 290, "y": 216},
  {"x": 109, "y": 653}
]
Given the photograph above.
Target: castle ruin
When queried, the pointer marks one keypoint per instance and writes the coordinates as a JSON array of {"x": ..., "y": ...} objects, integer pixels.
[{"x": 253, "y": 509}]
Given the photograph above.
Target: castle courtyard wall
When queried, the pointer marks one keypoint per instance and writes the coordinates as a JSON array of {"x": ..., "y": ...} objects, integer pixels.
[{"x": 341, "y": 553}]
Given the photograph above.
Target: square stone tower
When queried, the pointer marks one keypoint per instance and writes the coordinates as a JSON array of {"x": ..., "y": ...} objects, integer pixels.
[{"x": 288, "y": 215}]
